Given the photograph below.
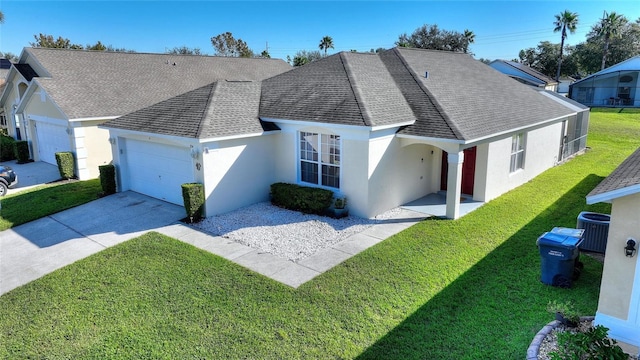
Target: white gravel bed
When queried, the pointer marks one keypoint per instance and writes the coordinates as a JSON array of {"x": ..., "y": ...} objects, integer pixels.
[{"x": 285, "y": 233}]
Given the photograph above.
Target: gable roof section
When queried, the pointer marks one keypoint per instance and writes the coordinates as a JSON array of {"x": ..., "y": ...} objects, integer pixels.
[
  {"x": 319, "y": 92},
  {"x": 544, "y": 79},
  {"x": 431, "y": 118},
  {"x": 479, "y": 101},
  {"x": 108, "y": 84},
  {"x": 219, "y": 109},
  {"x": 631, "y": 64},
  {"x": 623, "y": 181}
]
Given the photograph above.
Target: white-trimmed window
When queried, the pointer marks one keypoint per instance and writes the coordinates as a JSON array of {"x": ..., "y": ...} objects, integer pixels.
[
  {"x": 320, "y": 159},
  {"x": 517, "y": 152}
]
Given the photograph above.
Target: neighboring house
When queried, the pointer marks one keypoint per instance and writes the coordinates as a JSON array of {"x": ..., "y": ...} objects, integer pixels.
[
  {"x": 5, "y": 65},
  {"x": 56, "y": 98},
  {"x": 619, "y": 303},
  {"x": 381, "y": 129},
  {"x": 525, "y": 74},
  {"x": 617, "y": 85},
  {"x": 564, "y": 83}
]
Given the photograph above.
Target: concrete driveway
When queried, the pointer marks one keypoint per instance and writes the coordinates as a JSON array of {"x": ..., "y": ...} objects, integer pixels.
[
  {"x": 32, "y": 250},
  {"x": 32, "y": 174}
]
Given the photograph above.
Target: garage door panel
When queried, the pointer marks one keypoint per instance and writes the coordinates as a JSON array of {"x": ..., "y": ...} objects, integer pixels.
[
  {"x": 51, "y": 139},
  {"x": 158, "y": 170}
]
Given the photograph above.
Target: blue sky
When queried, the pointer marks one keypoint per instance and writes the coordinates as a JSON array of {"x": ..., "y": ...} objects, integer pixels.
[{"x": 502, "y": 28}]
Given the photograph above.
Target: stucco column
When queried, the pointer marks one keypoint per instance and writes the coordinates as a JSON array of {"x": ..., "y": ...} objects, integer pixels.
[{"x": 454, "y": 184}]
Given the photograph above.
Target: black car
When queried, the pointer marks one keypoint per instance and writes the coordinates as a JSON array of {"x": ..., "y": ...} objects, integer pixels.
[{"x": 8, "y": 178}]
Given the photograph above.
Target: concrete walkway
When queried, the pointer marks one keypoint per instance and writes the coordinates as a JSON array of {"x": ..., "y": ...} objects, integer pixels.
[{"x": 32, "y": 250}]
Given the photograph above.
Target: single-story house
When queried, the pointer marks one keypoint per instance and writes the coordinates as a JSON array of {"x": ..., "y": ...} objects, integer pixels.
[
  {"x": 525, "y": 74},
  {"x": 381, "y": 129},
  {"x": 617, "y": 85},
  {"x": 56, "y": 98},
  {"x": 619, "y": 303}
]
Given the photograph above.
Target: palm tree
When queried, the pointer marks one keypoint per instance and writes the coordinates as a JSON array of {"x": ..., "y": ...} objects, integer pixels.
[
  {"x": 609, "y": 28},
  {"x": 470, "y": 38},
  {"x": 1, "y": 17},
  {"x": 564, "y": 21},
  {"x": 325, "y": 44}
]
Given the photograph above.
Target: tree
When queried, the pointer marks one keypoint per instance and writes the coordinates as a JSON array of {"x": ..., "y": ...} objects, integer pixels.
[
  {"x": 1, "y": 17},
  {"x": 226, "y": 45},
  {"x": 608, "y": 28},
  {"x": 47, "y": 41},
  {"x": 304, "y": 57},
  {"x": 97, "y": 47},
  {"x": 564, "y": 21},
  {"x": 184, "y": 50},
  {"x": 326, "y": 43},
  {"x": 265, "y": 54},
  {"x": 431, "y": 37},
  {"x": 9, "y": 56}
]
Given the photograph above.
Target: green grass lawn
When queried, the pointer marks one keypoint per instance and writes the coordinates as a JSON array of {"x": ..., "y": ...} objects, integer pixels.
[
  {"x": 45, "y": 200},
  {"x": 465, "y": 289}
]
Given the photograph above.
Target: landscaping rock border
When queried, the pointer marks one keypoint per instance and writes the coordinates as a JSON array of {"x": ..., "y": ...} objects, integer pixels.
[{"x": 534, "y": 347}]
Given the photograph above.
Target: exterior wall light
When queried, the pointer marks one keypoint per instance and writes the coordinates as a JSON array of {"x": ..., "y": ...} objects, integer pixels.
[{"x": 630, "y": 249}]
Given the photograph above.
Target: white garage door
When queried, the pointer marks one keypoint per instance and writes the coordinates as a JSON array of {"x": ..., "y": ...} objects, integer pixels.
[
  {"x": 51, "y": 139},
  {"x": 158, "y": 170}
]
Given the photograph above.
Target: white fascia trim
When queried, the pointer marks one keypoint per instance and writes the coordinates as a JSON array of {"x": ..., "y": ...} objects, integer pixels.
[
  {"x": 146, "y": 136},
  {"x": 339, "y": 126},
  {"x": 488, "y": 137},
  {"x": 48, "y": 120},
  {"x": 613, "y": 194},
  {"x": 432, "y": 139},
  {"x": 522, "y": 128},
  {"x": 105, "y": 118},
  {"x": 235, "y": 137},
  {"x": 9, "y": 80}
]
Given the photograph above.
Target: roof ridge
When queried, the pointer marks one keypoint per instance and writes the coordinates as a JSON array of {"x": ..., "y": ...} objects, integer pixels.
[
  {"x": 206, "y": 117},
  {"x": 452, "y": 126},
  {"x": 366, "y": 117}
]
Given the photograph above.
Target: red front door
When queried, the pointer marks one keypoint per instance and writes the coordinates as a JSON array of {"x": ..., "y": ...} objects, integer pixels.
[{"x": 468, "y": 171}]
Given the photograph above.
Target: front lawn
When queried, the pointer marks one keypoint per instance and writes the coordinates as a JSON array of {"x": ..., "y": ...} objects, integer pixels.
[
  {"x": 465, "y": 289},
  {"x": 45, "y": 200}
]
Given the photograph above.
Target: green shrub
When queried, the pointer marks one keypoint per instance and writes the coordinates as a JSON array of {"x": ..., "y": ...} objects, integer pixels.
[
  {"x": 66, "y": 164},
  {"x": 305, "y": 199},
  {"x": 193, "y": 196},
  {"x": 108, "y": 179},
  {"x": 593, "y": 344},
  {"x": 22, "y": 151},
  {"x": 7, "y": 148}
]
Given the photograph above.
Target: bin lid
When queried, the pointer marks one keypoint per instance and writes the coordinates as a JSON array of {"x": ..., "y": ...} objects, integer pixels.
[
  {"x": 559, "y": 240},
  {"x": 577, "y": 233}
]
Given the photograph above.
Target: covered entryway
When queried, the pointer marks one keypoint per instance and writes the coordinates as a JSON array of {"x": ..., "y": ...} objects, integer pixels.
[
  {"x": 157, "y": 170},
  {"x": 468, "y": 171},
  {"x": 51, "y": 138}
]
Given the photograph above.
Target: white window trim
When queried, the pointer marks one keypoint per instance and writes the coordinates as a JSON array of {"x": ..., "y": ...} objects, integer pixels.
[
  {"x": 319, "y": 162},
  {"x": 522, "y": 150}
]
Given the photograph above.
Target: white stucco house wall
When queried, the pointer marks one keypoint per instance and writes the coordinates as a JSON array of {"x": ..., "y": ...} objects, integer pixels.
[
  {"x": 619, "y": 302},
  {"x": 381, "y": 129},
  {"x": 56, "y": 98},
  {"x": 618, "y": 86}
]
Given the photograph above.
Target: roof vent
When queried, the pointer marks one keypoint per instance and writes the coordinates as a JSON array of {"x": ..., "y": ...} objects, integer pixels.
[{"x": 426, "y": 74}]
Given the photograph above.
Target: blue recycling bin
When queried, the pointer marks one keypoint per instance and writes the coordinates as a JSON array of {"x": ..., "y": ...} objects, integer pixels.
[{"x": 559, "y": 255}]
